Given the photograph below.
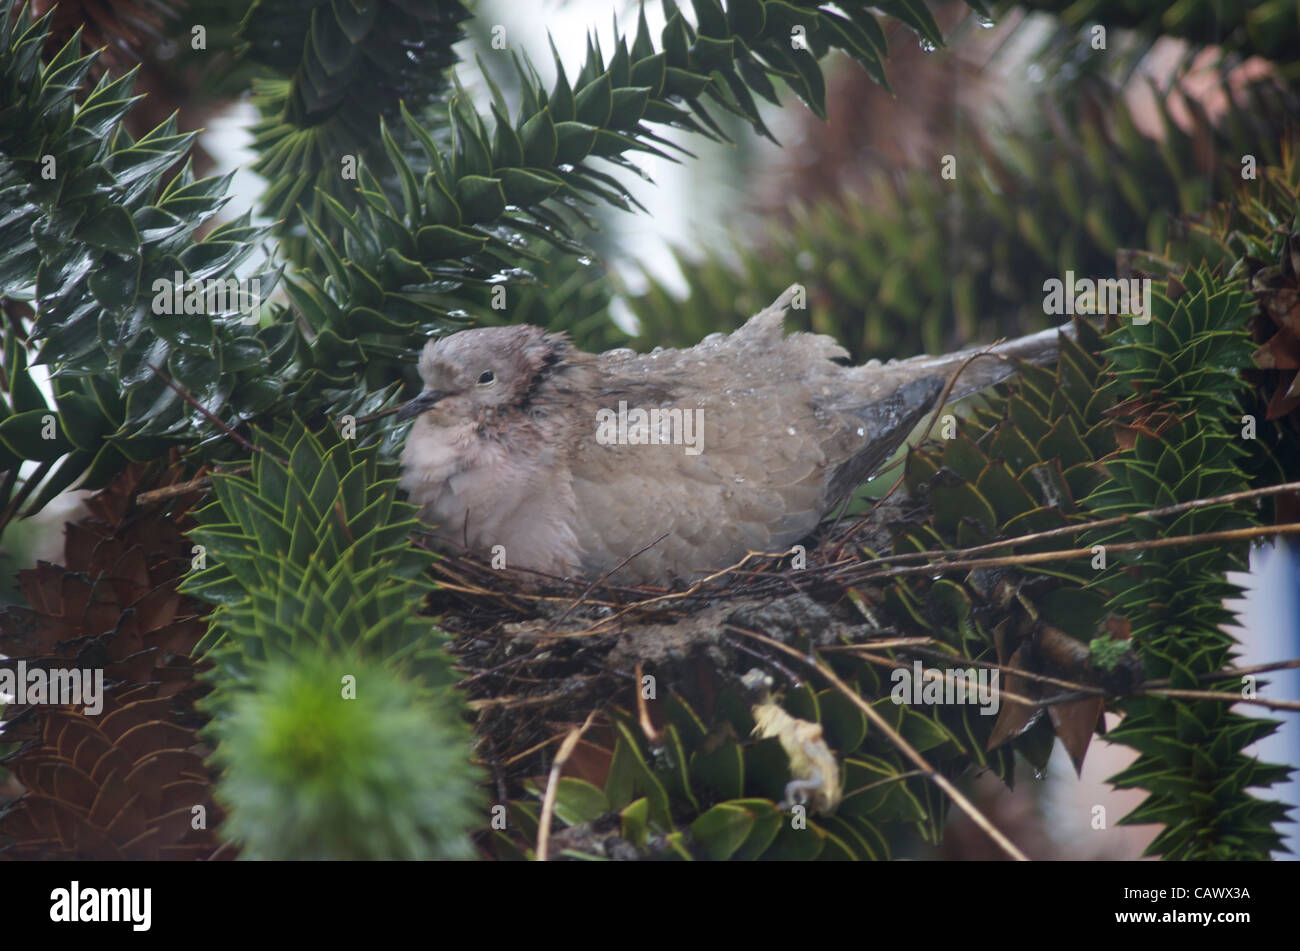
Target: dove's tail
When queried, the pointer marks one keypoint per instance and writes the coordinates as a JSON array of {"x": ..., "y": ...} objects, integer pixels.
[{"x": 983, "y": 366}]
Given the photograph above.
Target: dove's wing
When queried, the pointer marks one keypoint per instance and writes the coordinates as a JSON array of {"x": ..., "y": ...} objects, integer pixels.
[
  {"x": 786, "y": 433},
  {"x": 776, "y": 448}
]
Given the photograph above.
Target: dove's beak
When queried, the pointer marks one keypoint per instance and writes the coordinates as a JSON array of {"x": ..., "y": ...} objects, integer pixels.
[{"x": 424, "y": 401}]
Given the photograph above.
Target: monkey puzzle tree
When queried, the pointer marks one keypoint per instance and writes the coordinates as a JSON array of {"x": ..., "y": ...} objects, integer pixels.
[{"x": 248, "y": 579}]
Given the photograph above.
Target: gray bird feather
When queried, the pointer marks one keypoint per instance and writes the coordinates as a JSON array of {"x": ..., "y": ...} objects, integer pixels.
[{"x": 505, "y": 452}]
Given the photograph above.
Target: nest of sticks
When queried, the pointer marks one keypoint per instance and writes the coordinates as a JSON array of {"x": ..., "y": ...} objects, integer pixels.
[{"x": 540, "y": 653}]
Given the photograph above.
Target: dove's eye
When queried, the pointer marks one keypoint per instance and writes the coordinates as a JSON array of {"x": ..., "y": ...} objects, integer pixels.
[{"x": 486, "y": 378}]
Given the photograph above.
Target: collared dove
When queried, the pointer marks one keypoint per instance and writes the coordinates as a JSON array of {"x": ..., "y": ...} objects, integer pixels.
[{"x": 557, "y": 456}]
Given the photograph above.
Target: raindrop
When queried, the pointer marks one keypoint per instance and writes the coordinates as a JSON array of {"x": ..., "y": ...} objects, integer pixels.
[
  {"x": 789, "y": 430},
  {"x": 861, "y": 431},
  {"x": 927, "y": 45},
  {"x": 985, "y": 23}
]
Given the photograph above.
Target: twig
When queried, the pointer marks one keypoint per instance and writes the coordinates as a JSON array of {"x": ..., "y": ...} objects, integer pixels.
[
  {"x": 670, "y": 596},
  {"x": 592, "y": 587},
  {"x": 183, "y": 488},
  {"x": 941, "y": 565},
  {"x": 857, "y": 526},
  {"x": 884, "y": 782},
  {"x": 1076, "y": 527},
  {"x": 1222, "y": 698},
  {"x": 510, "y": 703},
  {"x": 533, "y": 749},
  {"x": 924, "y": 435},
  {"x": 553, "y": 782},
  {"x": 900, "y": 744},
  {"x": 947, "y": 676},
  {"x": 1230, "y": 672},
  {"x": 171, "y": 491},
  {"x": 868, "y": 646},
  {"x": 1012, "y": 671},
  {"x": 952, "y": 381},
  {"x": 211, "y": 417}
]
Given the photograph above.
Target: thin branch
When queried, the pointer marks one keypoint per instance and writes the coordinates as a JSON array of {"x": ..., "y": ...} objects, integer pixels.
[
  {"x": 553, "y": 782},
  {"x": 1013, "y": 671},
  {"x": 886, "y": 644},
  {"x": 952, "y": 381},
  {"x": 1222, "y": 698},
  {"x": 1076, "y": 527},
  {"x": 592, "y": 587},
  {"x": 533, "y": 749},
  {"x": 510, "y": 703},
  {"x": 655, "y": 737},
  {"x": 948, "y": 676},
  {"x": 171, "y": 491},
  {"x": 1066, "y": 554},
  {"x": 886, "y": 781},
  {"x": 934, "y": 418},
  {"x": 900, "y": 744},
  {"x": 211, "y": 417},
  {"x": 860, "y": 523},
  {"x": 670, "y": 596},
  {"x": 184, "y": 488},
  {"x": 1228, "y": 673}
]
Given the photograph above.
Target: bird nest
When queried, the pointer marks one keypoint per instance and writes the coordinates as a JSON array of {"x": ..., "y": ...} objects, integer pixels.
[{"x": 539, "y": 653}]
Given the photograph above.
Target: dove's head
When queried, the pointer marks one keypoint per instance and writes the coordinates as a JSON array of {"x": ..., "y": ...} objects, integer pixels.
[{"x": 470, "y": 374}]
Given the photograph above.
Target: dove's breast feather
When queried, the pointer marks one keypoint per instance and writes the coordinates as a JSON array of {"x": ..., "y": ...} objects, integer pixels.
[{"x": 480, "y": 494}]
